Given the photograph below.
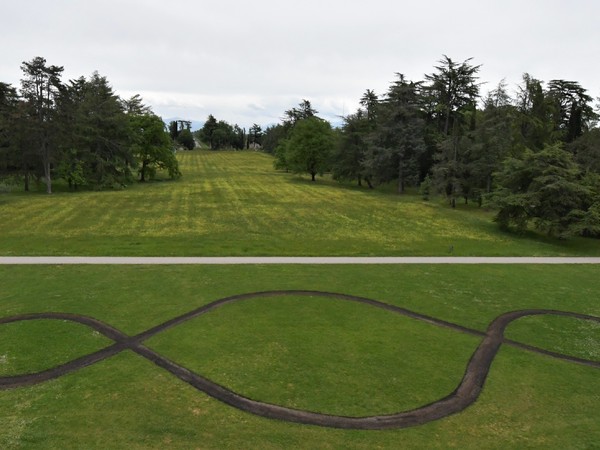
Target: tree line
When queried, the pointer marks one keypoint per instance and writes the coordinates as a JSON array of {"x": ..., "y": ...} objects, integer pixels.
[
  {"x": 219, "y": 134},
  {"x": 533, "y": 156},
  {"x": 79, "y": 131}
]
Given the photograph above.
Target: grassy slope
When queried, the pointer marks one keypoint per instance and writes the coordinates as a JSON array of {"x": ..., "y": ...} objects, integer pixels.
[
  {"x": 529, "y": 401},
  {"x": 236, "y": 204}
]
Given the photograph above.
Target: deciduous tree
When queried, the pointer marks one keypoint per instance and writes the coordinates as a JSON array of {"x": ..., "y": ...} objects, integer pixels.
[
  {"x": 185, "y": 138},
  {"x": 309, "y": 146},
  {"x": 152, "y": 146}
]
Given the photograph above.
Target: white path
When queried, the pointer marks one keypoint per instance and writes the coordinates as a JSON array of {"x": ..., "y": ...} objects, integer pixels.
[{"x": 134, "y": 260}]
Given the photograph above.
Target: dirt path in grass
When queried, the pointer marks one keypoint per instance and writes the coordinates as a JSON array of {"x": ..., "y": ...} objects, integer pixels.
[
  {"x": 465, "y": 394},
  {"x": 230, "y": 260}
]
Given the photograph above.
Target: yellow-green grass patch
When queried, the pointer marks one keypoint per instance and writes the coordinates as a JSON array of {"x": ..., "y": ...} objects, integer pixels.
[{"x": 235, "y": 203}]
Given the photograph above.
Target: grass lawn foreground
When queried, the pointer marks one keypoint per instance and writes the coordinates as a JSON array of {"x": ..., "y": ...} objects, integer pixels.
[
  {"x": 309, "y": 352},
  {"x": 306, "y": 352}
]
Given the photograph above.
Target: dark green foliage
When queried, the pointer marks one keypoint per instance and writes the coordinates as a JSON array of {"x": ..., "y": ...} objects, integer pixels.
[
  {"x": 9, "y": 160},
  {"x": 425, "y": 188},
  {"x": 80, "y": 131},
  {"x": 135, "y": 105},
  {"x": 309, "y": 146},
  {"x": 370, "y": 102},
  {"x": 206, "y": 133},
  {"x": 396, "y": 142},
  {"x": 348, "y": 156},
  {"x": 105, "y": 134},
  {"x": 40, "y": 89},
  {"x": 221, "y": 135},
  {"x": 255, "y": 136},
  {"x": 536, "y": 112},
  {"x": 586, "y": 150},
  {"x": 545, "y": 188},
  {"x": 152, "y": 146},
  {"x": 573, "y": 113},
  {"x": 384, "y": 141},
  {"x": 272, "y": 136},
  {"x": 173, "y": 129},
  {"x": 179, "y": 131},
  {"x": 304, "y": 111},
  {"x": 96, "y": 135},
  {"x": 185, "y": 138},
  {"x": 587, "y": 223},
  {"x": 275, "y": 136},
  {"x": 493, "y": 140},
  {"x": 508, "y": 152},
  {"x": 238, "y": 139},
  {"x": 535, "y": 156},
  {"x": 453, "y": 92}
]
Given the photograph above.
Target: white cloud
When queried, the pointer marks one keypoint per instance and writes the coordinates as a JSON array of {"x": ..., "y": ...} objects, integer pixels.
[{"x": 248, "y": 62}]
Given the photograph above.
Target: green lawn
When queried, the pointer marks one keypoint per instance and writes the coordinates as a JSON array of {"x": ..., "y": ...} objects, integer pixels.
[
  {"x": 312, "y": 353},
  {"x": 306, "y": 352},
  {"x": 235, "y": 203}
]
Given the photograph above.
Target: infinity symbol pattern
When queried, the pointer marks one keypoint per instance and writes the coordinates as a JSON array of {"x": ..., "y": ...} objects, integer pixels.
[{"x": 465, "y": 394}]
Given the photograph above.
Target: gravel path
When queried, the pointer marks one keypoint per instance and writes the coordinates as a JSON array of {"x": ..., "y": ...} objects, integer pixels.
[{"x": 142, "y": 260}]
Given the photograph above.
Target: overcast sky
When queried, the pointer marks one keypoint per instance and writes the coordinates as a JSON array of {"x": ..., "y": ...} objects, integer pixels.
[{"x": 248, "y": 61}]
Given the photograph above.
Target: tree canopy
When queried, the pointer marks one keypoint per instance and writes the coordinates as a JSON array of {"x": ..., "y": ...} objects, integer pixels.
[
  {"x": 442, "y": 134},
  {"x": 309, "y": 146},
  {"x": 219, "y": 134},
  {"x": 80, "y": 131},
  {"x": 546, "y": 187}
]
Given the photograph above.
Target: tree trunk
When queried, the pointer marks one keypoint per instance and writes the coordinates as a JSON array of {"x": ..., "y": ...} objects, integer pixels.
[
  {"x": 44, "y": 154},
  {"x": 447, "y": 122},
  {"x": 313, "y": 174},
  {"x": 400, "y": 177},
  {"x": 47, "y": 168},
  {"x": 48, "y": 179},
  {"x": 143, "y": 172}
]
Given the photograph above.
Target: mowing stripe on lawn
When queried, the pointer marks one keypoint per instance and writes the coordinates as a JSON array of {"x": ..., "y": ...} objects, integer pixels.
[{"x": 240, "y": 260}]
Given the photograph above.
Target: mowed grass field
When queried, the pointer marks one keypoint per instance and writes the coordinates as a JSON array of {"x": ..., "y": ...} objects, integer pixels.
[
  {"x": 312, "y": 353},
  {"x": 236, "y": 204}
]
